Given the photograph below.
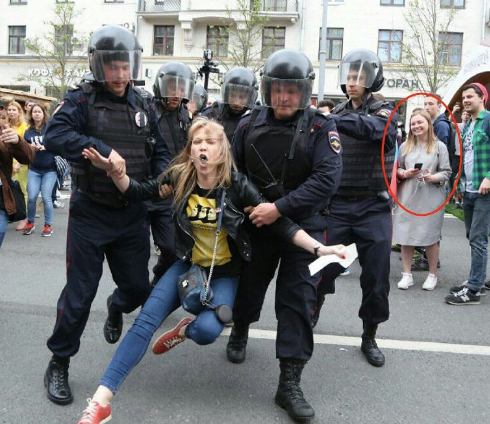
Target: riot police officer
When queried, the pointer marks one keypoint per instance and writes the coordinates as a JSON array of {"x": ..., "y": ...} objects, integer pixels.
[
  {"x": 239, "y": 92},
  {"x": 112, "y": 117},
  {"x": 293, "y": 154},
  {"x": 360, "y": 212},
  {"x": 173, "y": 88},
  {"x": 198, "y": 102}
]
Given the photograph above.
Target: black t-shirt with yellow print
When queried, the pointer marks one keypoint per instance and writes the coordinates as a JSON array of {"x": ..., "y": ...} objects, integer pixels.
[{"x": 201, "y": 211}]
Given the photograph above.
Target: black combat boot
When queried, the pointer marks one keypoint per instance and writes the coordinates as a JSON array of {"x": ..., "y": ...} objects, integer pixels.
[
  {"x": 289, "y": 395},
  {"x": 236, "y": 350},
  {"x": 56, "y": 381},
  {"x": 113, "y": 324},
  {"x": 369, "y": 347}
]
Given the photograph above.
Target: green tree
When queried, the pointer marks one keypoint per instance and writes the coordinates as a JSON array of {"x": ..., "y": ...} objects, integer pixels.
[
  {"x": 60, "y": 50},
  {"x": 426, "y": 51},
  {"x": 245, "y": 34}
]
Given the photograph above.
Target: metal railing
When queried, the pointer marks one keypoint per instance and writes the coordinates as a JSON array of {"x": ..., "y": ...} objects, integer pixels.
[
  {"x": 278, "y": 5},
  {"x": 159, "y": 6}
]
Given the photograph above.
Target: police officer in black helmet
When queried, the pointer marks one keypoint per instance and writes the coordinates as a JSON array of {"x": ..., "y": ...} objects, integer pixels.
[
  {"x": 293, "y": 154},
  {"x": 239, "y": 93},
  {"x": 198, "y": 101},
  {"x": 360, "y": 212},
  {"x": 110, "y": 116},
  {"x": 174, "y": 84}
]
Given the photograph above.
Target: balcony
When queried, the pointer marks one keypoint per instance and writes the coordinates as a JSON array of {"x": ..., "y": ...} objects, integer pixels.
[
  {"x": 274, "y": 6},
  {"x": 279, "y": 11},
  {"x": 164, "y": 7}
]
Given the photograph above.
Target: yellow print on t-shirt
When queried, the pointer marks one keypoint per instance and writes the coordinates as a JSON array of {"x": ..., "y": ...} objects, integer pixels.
[{"x": 203, "y": 218}]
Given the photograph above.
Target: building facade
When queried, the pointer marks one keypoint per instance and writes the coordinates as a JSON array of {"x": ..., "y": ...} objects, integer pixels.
[{"x": 181, "y": 29}]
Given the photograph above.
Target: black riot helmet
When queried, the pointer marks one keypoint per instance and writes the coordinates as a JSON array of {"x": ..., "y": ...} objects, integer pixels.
[
  {"x": 368, "y": 66},
  {"x": 174, "y": 79},
  {"x": 284, "y": 68},
  {"x": 199, "y": 99},
  {"x": 113, "y": 43},
  {"x": 239, "y": 87}
]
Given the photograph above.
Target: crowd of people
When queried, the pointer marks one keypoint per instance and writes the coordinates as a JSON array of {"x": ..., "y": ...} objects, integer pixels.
[{"x": 242, "y": 189}]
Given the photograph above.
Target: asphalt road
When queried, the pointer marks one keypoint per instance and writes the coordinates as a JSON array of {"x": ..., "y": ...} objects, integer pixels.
[{"x": 436, "y": 369}]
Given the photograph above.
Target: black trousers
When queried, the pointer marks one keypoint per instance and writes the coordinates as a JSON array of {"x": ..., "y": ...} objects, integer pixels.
[
  {"x": 96, "y": 232},
  {"x": 368, "y": 223},
  {"x": 163, "y": 232},
  {"x": 295, "y": 297}
]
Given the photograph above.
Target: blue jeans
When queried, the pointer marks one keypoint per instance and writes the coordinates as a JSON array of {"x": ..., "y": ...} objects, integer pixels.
[
  {"x": 163, "y": 300},
  {"x": 43, "y": 182},
  {"x": 477, "y": 221},
  {"x": 4, "y": 220}
]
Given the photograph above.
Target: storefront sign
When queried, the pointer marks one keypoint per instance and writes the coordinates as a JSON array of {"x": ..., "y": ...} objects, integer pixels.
[
  {"x": 478, "y": 61},
  {"x": 402, "y": 83},
  {"x": 44, "y": 72}
]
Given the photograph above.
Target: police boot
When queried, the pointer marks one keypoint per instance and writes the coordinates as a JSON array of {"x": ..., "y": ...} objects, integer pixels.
[
  {"x": 113, "y": 324},
  {"x": 320, "y": 299},
  {"x": 369, "y": 347},
  {"x": 289, "y": 395},
  {"x": 56, "y": 381},
  {"x": 236, "y": 350}
]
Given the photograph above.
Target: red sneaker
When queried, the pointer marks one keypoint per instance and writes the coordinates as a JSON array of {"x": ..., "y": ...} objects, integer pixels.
[
  {"x": 171, "y": 338},
  {"x": 95, "y": 414},
  {"x": 28, "y": 228}
]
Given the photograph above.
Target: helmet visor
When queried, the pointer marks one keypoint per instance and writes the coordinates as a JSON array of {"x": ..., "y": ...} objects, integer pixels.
[
  {"x": 115, "y": 65},
  {"x": 286, "y": 93},
  {"x": 359, "y": 73},
  {"x": 175, "y": 86},
  {"x": 198, "y": 101},
  {"x": 238, "y": 95}
]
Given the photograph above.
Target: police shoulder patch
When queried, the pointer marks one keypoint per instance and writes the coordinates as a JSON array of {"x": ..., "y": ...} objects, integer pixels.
[
  {"x": 334, "y": 141},
  {"x": 383, "y": 112}
]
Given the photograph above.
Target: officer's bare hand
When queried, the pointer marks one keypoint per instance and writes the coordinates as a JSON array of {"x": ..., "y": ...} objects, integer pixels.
[
  {"x": 166, "y": 191},
  {"x": 484, "y": 186},
  {"x": 119, "y": 165},
  {"x": 97, "y": 159},
  {"x": 264, "y": 214},
  {"x": 9, "y": 136}
]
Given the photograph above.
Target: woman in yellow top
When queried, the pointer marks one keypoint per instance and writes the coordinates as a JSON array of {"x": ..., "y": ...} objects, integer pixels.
[{"x": 15, "y": 118}]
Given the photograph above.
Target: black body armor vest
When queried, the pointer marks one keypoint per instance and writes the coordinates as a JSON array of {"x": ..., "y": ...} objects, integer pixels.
[
  {"x": 174, "y": 126},
  {"x": 273, "y": 164},
  {"x": 114, "y": 124},
  {"x": 362, "y": 168},
  {"x": 227, "y": 118}
]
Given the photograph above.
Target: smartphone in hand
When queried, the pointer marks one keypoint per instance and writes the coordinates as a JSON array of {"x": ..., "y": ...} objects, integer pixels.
[{"x": 418, "y": 166}]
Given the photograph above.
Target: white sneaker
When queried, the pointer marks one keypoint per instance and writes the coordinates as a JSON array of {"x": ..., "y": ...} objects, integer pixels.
[
  {"x": 430, "y": 282},
  {"x": 406, "y": 281}
]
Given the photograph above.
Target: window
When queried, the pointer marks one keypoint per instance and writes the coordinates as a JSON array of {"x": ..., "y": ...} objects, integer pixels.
[
  {"x": 456, "y": 4},
  {"x": 18, "y": 1},
  {"x": 451, "y": 48},
  {"x": 163, "y": 40},
  {"x": 63, "y": 35},
  {"x": 390, "y": 45},
  {"x": 273, "y": 39},
  {"x": 392, "y": 3},
  {"x": 275, "y": 5},
  {"x": 335, "y": 42},
  {"x": 217, "y": 40},
  {"x": 17, "y": 37}
]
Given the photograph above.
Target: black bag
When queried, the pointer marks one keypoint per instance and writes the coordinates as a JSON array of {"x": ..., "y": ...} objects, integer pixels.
[
  {"x": 194, "y": 291},
  {"x": 20, "y": 202}
]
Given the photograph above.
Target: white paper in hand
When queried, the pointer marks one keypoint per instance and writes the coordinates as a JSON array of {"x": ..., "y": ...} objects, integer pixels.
[{"x": 350, "y": 256}]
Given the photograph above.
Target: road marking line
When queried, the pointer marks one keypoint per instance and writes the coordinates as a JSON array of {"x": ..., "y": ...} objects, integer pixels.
[{"x": 384, "y": 343}]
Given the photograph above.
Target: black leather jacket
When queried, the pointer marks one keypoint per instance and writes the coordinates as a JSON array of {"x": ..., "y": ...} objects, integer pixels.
[{"x": 241, "y": 194}]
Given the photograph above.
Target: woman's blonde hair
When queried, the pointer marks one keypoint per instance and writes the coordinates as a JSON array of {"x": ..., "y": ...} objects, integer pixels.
[
  {"x": 21, "y": 113},
  {"x": 182, "y": 172},
  {"x": 412, "y": 140}
]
